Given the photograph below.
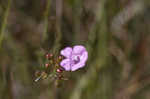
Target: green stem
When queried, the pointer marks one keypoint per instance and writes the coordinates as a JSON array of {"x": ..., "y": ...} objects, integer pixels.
[{"x": 4, "y": 23}]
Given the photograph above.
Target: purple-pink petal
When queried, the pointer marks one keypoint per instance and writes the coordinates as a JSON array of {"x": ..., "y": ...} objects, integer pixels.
[
  {"x": 66, "y": 52},
  {"x": 83, "y": 59},
  {"x": 78, "y": 49},
  {"x": 77, "y": 66},
  {"x": 66, "y": 64}
]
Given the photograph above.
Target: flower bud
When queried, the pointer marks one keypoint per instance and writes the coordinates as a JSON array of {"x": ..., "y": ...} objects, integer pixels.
[
  {"x": 60, "y": 57},
  {"x": 59, "y": 70},
  {"x": 49, "y": 55},
  {"x": 47, "y": 65}
]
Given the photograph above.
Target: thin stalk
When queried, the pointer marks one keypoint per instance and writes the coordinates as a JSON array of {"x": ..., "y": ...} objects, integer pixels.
[
  {"x": 46, "y": 20},
  {"x": 58, "y": 34}
]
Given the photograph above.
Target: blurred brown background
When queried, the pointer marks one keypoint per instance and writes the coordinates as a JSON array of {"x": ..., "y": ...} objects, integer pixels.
[{"x": 116, "y": 34}]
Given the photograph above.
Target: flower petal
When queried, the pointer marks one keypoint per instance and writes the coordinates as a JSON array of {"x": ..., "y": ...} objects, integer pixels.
[
  {"x": 83, "y": 59},
  {"x": 66, "y": 52},
  {"x": 77, "y": 66},
  {"x": 78, "y": 49},
  {"x": 65, "y": 64}
]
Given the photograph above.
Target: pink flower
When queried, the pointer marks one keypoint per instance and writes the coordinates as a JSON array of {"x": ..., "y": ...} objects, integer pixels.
[{"x": 75, "y": 57}]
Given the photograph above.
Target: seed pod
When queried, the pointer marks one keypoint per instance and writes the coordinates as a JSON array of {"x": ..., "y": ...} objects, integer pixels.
[
  {"x": 44, "y": 75},
  {"x": 37, "y": 73}
]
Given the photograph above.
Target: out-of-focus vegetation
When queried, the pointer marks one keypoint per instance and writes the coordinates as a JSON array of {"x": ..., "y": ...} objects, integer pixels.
[{"x": 115, "y": 32}]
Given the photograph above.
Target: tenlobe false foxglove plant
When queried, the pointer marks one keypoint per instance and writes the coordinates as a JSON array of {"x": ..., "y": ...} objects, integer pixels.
[{"x": 70, "y": 59}]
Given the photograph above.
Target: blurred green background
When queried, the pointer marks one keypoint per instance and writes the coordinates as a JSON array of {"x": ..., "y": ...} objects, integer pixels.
[{"x": 116, "y": 34}]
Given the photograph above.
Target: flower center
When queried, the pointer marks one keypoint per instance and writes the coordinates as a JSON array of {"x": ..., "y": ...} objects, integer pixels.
[{"x": 75, "y": 59}]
